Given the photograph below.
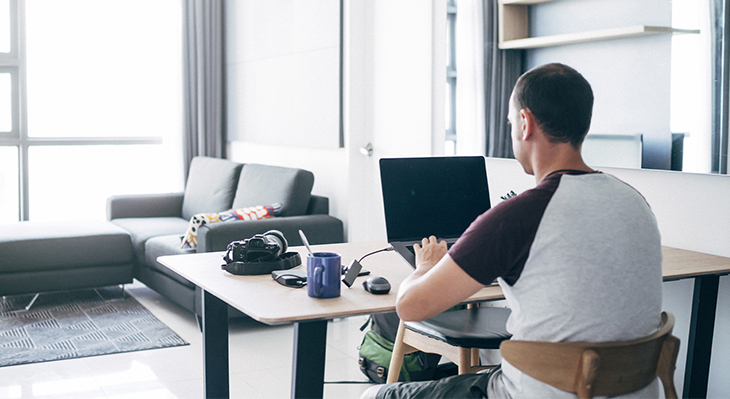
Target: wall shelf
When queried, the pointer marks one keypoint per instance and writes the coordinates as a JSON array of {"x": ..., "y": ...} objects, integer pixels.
[
  {"x": 527, "y": 2},
  {"x": 580, "y": 37},
  {"x": 514, "y": 26}
]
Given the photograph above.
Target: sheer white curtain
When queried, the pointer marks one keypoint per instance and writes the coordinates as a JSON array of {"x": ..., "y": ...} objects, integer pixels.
[{"x": 470, "y": 96}]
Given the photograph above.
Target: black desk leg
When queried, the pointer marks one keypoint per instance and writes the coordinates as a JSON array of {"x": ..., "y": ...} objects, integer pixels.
[
  {"x": 699, "y": 345},
  {"x": 215, "y": 347},
  {"x": 310, "y": 340}
]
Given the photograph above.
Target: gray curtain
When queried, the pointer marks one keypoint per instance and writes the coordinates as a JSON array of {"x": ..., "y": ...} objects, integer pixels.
[
  {"x": 501, "y": 70},
  {"x": 721, "y": 84},
  {"x": 203, "y": 80}
]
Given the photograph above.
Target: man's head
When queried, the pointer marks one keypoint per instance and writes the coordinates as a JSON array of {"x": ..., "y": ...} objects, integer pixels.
[{"x": 560, "y": 99}]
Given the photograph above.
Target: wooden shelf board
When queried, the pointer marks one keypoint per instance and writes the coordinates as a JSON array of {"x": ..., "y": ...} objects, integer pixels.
[
  {"x": 580, "y": 37},
  {"x": 524, "y": 2}
]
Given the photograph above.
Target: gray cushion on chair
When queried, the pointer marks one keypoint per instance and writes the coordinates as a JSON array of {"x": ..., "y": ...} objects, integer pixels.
[
  {"x": 483, "y": 327},
  {"x": 210, "y": 187},
  {"x": 267, "y": 185}
]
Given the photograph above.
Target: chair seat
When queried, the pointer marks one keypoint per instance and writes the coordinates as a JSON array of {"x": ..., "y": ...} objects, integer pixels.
[{"x": 482, "y": 328}]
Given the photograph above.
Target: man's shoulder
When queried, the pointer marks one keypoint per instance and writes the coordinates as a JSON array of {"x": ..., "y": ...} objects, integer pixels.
[
  {"x": 599, "y": 188},
  {"x": 534, "y": 198}
]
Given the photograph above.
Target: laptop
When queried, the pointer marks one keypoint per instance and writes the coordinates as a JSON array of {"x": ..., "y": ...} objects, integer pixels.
[{"x": 437, "y": 196}]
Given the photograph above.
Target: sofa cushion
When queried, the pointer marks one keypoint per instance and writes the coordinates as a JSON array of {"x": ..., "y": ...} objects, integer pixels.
[
  {"x": 142, "y": 229},
  {"x": 265, "y": 184},
  {"x": 210, "y": 187},
  {"x": 41, "y": 246},
  {"x": 162, "y": 246}
]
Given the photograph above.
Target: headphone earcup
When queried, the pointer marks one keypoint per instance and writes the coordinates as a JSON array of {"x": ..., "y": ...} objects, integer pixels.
[{"x": 278, "y": 237}]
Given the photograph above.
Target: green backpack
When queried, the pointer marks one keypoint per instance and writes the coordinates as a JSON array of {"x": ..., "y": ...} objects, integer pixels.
[{"x": 376, "y": 350}]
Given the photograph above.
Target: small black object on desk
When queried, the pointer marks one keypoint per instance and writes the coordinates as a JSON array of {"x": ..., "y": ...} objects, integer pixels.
[{"x": 377, "y": 285}]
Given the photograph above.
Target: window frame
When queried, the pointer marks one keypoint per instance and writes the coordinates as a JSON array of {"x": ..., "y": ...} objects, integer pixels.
[
  {"x": 13, "y": 71},
  {"x": 451, "y": 10},
  {"x": 14, "y": 42},
  {"x": 15, "y": 62},
  {"x": 10, "y": 63}
]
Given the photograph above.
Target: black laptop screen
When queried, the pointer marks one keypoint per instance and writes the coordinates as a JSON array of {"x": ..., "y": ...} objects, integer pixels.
[{"x": 437, "y": 196}]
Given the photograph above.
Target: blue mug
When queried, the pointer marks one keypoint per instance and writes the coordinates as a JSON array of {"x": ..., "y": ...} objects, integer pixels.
[{"x": 324, "y": 275}]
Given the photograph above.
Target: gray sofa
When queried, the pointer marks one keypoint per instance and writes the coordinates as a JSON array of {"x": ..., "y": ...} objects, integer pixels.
[{"x": 157, "y": 222}]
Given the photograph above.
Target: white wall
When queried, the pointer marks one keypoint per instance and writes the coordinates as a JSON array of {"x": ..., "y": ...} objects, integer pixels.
[
  {"x": 631, "y": 78},
  {"x": 279, "y": 55},
  {"x": 287, "y": 113},
  {"x": 393, "y": 99}
]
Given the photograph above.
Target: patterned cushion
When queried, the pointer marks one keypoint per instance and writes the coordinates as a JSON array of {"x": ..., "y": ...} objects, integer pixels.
[{"x": 190, "y": 239}]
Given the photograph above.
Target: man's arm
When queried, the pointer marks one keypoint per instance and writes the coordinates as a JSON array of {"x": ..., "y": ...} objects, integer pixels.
[{"x": 437, "y": 284}]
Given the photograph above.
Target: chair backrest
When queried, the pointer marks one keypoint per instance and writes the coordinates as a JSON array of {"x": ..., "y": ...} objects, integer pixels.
[{"x": 600, "y": 369}]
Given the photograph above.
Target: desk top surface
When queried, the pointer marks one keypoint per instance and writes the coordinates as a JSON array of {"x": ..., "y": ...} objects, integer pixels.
[
  {"x": 681, "y": 263},
  {"x": 267, "y": 301},
  {"x": 264, "y": 300}
]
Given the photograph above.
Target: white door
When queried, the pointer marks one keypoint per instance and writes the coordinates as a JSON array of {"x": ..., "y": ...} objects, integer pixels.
[{"x": 394, "y": 96}]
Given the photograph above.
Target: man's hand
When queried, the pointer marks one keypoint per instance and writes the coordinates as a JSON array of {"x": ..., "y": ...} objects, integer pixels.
[
  {"x": 429, "y": 253},
  {"x": 437, "y": 284}
]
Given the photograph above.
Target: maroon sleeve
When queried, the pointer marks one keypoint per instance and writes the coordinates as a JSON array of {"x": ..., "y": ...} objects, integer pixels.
[{"x": 498, "y": 242}]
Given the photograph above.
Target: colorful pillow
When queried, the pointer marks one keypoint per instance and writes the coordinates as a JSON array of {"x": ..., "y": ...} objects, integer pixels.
[{"x": 190, "y": 239}]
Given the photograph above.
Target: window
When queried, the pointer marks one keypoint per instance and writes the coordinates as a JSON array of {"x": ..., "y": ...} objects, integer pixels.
[
  {"x": 691, "y": 86},
  {"x": 8, "y": 184},
  {"x": 451, "y": 78},
  {"x": 6, "y": 97},
  {"x": 5, "y": 35},
  {"x": 90, "y": 104}
]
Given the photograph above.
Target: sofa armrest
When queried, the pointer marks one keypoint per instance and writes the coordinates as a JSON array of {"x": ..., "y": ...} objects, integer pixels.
[
  {"x": 144, "y": 205},
  {"x": 320, "y": 229},
  {"x": 318, "y": 205}
]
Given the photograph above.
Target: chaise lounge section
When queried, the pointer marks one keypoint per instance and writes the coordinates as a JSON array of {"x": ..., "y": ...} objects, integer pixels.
[{"x": 40, "y": 257}]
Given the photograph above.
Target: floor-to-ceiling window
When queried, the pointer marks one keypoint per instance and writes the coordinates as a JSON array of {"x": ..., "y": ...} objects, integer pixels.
[
  {"x": 450, "y": 77},
  {"x": 90, "y": 104}
]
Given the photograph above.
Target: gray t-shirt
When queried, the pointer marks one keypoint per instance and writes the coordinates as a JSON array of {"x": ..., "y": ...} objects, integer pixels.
[{"x": 579, "y": 260}]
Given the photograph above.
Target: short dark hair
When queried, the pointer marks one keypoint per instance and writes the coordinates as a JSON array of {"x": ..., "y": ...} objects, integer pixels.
[{"x": 561, "y": 100}]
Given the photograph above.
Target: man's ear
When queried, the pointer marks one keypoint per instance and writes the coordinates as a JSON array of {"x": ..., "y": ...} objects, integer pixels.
[{"x": 529, "y": 123}]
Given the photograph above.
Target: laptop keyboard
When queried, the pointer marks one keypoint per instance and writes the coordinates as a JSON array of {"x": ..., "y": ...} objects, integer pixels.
[{"x": 410, "y": 247}]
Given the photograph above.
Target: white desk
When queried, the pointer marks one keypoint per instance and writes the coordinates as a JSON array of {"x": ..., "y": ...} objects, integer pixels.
[{"x": 264, "y": 300}]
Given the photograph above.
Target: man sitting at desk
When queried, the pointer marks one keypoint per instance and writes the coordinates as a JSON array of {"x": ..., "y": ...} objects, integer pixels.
[{"x": 578, "y": 257}]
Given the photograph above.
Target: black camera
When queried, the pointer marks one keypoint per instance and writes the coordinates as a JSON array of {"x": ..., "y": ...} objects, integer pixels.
[{"x": 259, "y": 248}]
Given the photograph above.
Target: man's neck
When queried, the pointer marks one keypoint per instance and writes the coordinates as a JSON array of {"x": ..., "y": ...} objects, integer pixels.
[{"x": 561, "y": 157}]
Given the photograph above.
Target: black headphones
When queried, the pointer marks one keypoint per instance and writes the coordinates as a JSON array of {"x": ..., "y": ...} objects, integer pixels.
[{"x": 260, "y": 254}]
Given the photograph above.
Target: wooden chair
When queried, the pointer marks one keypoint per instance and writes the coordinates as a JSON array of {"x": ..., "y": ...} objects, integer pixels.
[
  {"x": 457, "y": 335},
  {"x": 600, "y": 369}
]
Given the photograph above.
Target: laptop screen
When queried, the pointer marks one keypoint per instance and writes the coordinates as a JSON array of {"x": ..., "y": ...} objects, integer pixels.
[{"x": 438, "y": 196}]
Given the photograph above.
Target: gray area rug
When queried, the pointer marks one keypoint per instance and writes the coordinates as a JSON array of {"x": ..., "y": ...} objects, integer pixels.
[{"x": 73, "y": 324}]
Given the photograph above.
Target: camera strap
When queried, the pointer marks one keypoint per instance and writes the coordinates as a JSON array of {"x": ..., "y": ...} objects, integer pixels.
[{"x": 285, "y": 261}]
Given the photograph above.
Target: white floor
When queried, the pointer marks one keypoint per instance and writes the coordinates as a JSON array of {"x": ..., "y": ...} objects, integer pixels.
[{"x": 260, "y": 363}]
